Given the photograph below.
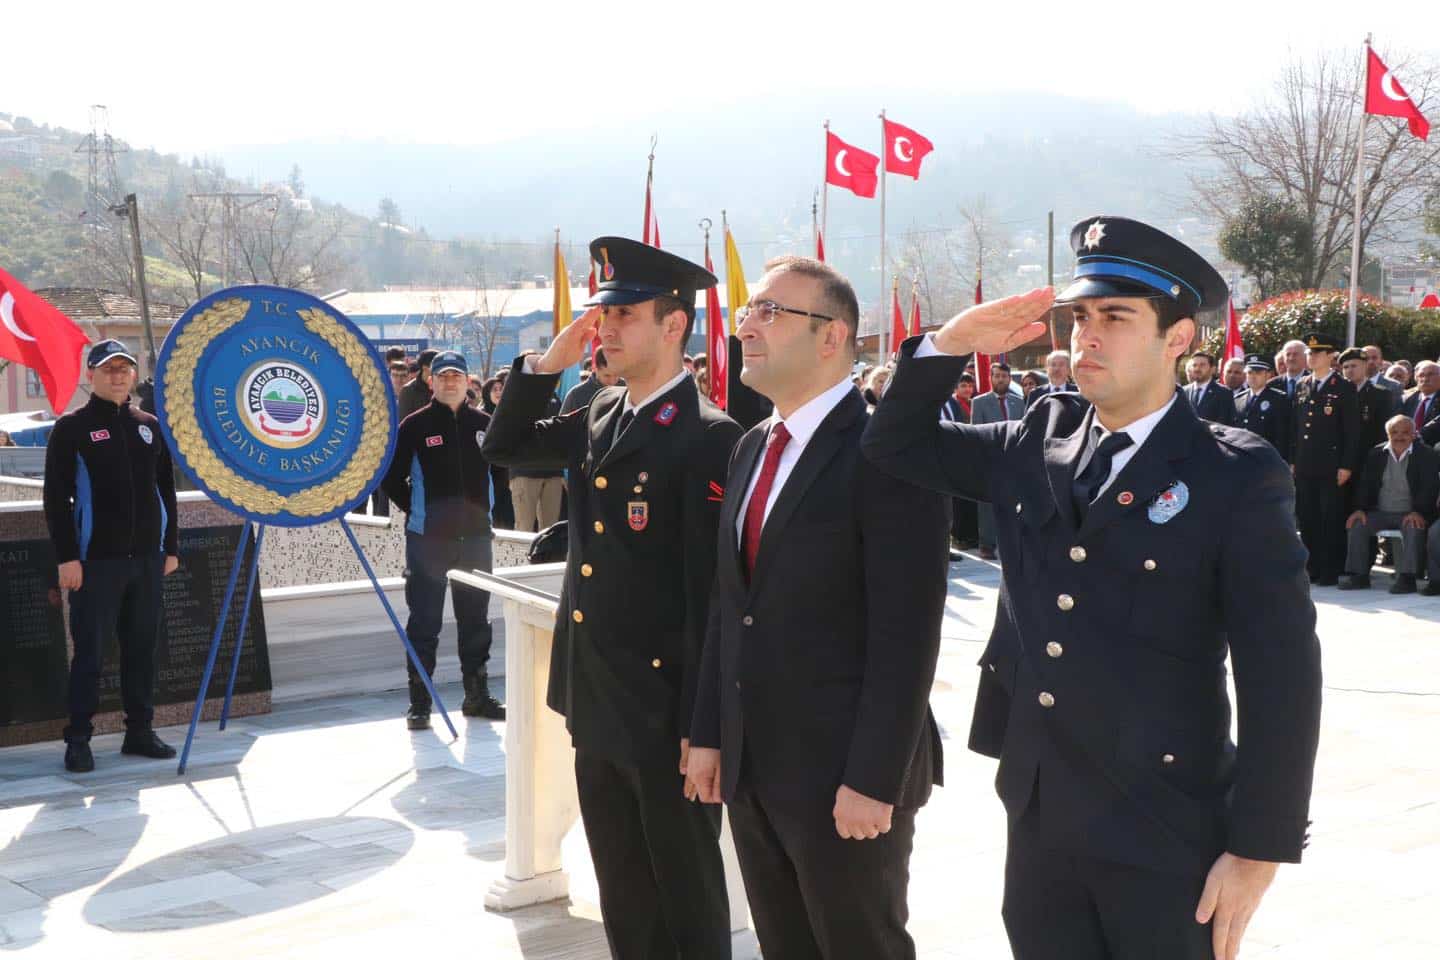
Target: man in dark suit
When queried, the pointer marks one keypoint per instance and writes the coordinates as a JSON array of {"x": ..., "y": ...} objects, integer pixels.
[
  {"x": 1375, "y": 365},
  {"x": 580, "y": 395},
  {"x": 1327, "y": 453},
  {"x": 416, "y": 394},
  {"x": 1145, "y": 543},
  {"x": 1210, "y": 400},
  {"x": 812, "y": 718},
  {"x": 1263, "y": 408},
  {"x": 1294, "y": 368},
  {"x": 1398, "y": 490},
  {"x": 646, "y": 472},
  {"x": 1057, "y": 377},
  {"x": 1422, "y": 405},
  {"x": 1372, "y": 402}
]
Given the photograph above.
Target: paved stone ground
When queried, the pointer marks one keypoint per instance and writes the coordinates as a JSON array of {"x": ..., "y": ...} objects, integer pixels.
[{"x": 327, "y": 830}]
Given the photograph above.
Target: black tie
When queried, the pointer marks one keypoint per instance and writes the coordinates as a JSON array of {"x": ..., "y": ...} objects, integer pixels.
[
  {"x": 625, "y": 420},
  {"x": 1092, "y": 475}
]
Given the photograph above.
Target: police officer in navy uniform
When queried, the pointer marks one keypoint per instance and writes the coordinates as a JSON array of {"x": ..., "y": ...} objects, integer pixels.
[
  {"x": 110, "y": 508},
  {"x": 441, "y": 480},
  {"x": 1327, "y": 453},
  {"x": 647, "y": 466},
  {"x": 1142, "y": 544},
  {"x": 1264, "y": 408}
]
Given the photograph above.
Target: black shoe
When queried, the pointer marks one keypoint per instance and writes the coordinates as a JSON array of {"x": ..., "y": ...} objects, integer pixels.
[
  {"x": 78, "y": 758},
  {"x": 417, "y": 717},
  {"x": 1431, "y": 589},
  {"x": 1404, "y": 583},
  {"x": 144, "y": 743},
  {"x": 478, "y": 701},
  {"x": 1355, "y": 581}
]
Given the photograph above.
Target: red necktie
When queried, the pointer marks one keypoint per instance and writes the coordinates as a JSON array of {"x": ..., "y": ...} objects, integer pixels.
[
  {"x": 1420, "y": 410},
  {"x": 755, "y": 511}
]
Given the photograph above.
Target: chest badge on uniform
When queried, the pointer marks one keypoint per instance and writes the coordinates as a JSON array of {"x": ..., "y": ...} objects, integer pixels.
[
  {"x": 1164, "y": 507},
  {"x": 145, "y": 434},
  {"x": 1329, "y": 410},
  {"x": 1264, "y": 405},
  {"x": 639, "y": 515},
  {"x": 479, "y": 438},
  {"x": 666, "y": 414},
  {"x": 97, "y": 435},
  {"x": 434, "y": 441}
]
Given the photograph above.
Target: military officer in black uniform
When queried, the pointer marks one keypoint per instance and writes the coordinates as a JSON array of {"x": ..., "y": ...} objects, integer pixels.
[
  {"x": 110, "y": 507},
  {"x": 1373, "y": 401},
  {"x": 647, "y": 465},
  {"x": 1141, "y": 545},
  {"x": 1327, "y": 453},
  {"x": 1264, "y": 409}
]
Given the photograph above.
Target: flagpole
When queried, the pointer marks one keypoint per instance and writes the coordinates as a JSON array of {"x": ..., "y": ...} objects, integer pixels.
[
  {"x": 825, "y": 184},
  {"x": 729, "y": 307},
  {"x": 1359, "y": 208},
  {"x": 884, "y": 332},
  {"x": 814, "y": 220}
]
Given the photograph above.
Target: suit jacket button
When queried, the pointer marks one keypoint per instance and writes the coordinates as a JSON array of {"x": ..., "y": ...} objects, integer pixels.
[
  {"x": 586, "y": 569},
  {"x": 1047, "y": 699},
  {"x": 578, "y": 617},
  {"x": 1065, "y": 602},
  {"x": 1054, "y": 649},
  {"x": 1078, "y": 554},
  {"x": 1149, "y": 564},
  {"x": 655, "y": 663},
  {"x": 601, "y": 483},
  {"x": 748, "y": 620},
  {"x": 599, "y": 527}
]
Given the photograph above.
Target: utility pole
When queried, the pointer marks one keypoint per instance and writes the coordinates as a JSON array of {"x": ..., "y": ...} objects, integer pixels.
[
  {"x": 1050, "y": 270},
  {"x": 131, "y": 209}
]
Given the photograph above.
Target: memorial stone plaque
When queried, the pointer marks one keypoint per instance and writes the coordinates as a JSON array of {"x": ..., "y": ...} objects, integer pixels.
[{"x": 33, "y": 657}]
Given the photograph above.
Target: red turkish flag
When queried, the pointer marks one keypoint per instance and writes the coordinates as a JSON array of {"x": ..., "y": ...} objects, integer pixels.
[
  {"x": 982, "y": 360},
  {"x": 716, "y": 344},
  {"x": 651, "y": 235},
  {"x": 594, "y": 340},
  {"x": 904, "y": 149},
  {"x": 914, "y": 313},
  {"x": 1386, "y": 98},
  {"x": 1234, "y": 349},
  {"x": 820, "y": 247},
  {"x": 36, "y": 335},
  {"x": 850, "y": 167},
  {"x": 897, "y": 319}
]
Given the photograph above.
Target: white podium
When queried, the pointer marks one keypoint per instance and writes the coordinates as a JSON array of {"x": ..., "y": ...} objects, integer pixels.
[{"x": 540, "y": 800}]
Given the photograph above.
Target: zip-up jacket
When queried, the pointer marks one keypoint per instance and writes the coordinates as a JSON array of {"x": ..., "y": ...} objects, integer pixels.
[
  {"x": 109, "y": 484},
  {"x": 438, "y": 476}
]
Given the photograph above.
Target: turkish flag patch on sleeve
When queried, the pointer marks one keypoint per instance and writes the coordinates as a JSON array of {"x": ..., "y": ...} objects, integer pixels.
[
  {"x": 97, "y": 435},
  {"x": 434, "y": 441}
]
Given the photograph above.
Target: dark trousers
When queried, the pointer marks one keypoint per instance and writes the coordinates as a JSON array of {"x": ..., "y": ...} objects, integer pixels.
[
  {"x": 118, "y": 597},
  {"x": 657, "y": 860},
  {"x": 1320, "y": 514},
  {"x": 1062, "y": 906},
  {"x": 426, "y": 560},
  {"x": 379, "y": 504},
  {"x": 814, "y": 894},
  {"x": 964, "y": 523}
]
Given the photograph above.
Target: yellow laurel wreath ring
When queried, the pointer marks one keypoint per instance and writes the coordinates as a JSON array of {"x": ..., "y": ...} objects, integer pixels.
[{"x": 246, "y": 494}]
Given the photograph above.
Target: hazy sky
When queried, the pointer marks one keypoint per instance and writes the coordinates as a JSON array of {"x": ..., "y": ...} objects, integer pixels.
[{"x": 191, "y": 77}]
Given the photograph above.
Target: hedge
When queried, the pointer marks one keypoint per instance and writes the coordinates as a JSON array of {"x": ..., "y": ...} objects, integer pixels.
[{"x": 1400, "y": 332}]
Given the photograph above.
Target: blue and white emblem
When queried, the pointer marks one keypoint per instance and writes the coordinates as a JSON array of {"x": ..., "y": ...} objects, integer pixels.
[
  {"x": 145, "y": 434},
  {"x": 1164, "y": 507},
  {"x": 1264, "y": 405}
]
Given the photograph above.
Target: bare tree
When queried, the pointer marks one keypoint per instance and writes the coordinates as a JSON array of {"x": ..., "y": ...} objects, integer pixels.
[
  {"x": 1300, "y": 145},
  {"x": 187, "y": 232},
  {"x": 280, "y": 243},
  {"x": 488, "y": 318}
]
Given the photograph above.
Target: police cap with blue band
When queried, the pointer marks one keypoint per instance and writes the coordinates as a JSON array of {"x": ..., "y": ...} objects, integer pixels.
[
  {"x": 108, "y": 350},
  {"x": 632, "y": 272},
  {"x": 448, "y": 360},
  {"x": 1119, "y": 257}
]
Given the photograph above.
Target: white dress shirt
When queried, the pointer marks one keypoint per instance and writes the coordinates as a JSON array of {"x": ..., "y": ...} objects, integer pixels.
[
  {"x": 631, "y": 405},
  {"x": 1139, "y": 431},
  {"x": 802, "y": 425}
]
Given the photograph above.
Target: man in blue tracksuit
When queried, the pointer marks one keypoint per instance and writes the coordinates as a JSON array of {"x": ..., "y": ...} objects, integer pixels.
[
  {"x": 110, "y": 507},
  {"x": 441, "y": 481}
]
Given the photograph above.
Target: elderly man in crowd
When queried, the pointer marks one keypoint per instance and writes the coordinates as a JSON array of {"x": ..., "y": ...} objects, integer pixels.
[
  {"x": 1291, "y": 367},
  {"x": 1233, "y": 374},
  {"x": 1422, "y": 405},
  {"x": 1399, "y": 489},
  {"x": 1057, "y": 377}
]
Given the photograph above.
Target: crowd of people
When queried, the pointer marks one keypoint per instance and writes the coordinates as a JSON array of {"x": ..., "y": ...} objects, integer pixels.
[{"x": 1360, "y": 432}]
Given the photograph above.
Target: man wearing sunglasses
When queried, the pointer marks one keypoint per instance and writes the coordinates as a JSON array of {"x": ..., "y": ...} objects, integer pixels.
[
  {"x": 811, "y": 719},
  {"x": 646, "y": 465}
]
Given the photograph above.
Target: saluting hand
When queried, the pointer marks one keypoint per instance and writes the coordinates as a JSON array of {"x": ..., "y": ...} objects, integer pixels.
[
  {"x": 858, "y": 817},
  {"x": 997, "y": 325},
  {"x": 1232, "y": 894},
  {"x": 568, "y": 348},
  {"x": 71, "y": 575}
]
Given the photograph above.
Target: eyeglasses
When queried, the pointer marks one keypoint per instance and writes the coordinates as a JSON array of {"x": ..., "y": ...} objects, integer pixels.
[{"x": 765, "y": 311}]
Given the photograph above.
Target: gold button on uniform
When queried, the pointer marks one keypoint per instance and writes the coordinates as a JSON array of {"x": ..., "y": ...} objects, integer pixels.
[
  {"x": 1018, "y": 508},
  {"x": 655, "y": 663},
  {"x": 1047, "y": 699},
  {"x": 601, "y": 483},
  {"x": 1054, "y": 649},
  {"x": 599, "y": 527},
  {"x": 578, "y": 617},
  {"x": 1149, "y": 564},
  {"x": 748, "y": 620},
  {"x": 1168, "y": 758},
  {"x": 586, "y": 569},
  {"x": 1065, "y": 602},
  {"x": 1078, "y": 554}
]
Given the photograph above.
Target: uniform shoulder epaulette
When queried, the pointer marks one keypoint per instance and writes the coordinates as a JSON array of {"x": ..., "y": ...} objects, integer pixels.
[{"x": 1238, "y": 438}]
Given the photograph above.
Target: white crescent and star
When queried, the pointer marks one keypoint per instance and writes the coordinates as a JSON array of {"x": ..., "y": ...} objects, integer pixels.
[
  {"x": 840, "y": 163},
  {"x": 7, "y": 317},
  {"x": 1387, "y": 87},
  {"x": 902, "y": 155}
]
